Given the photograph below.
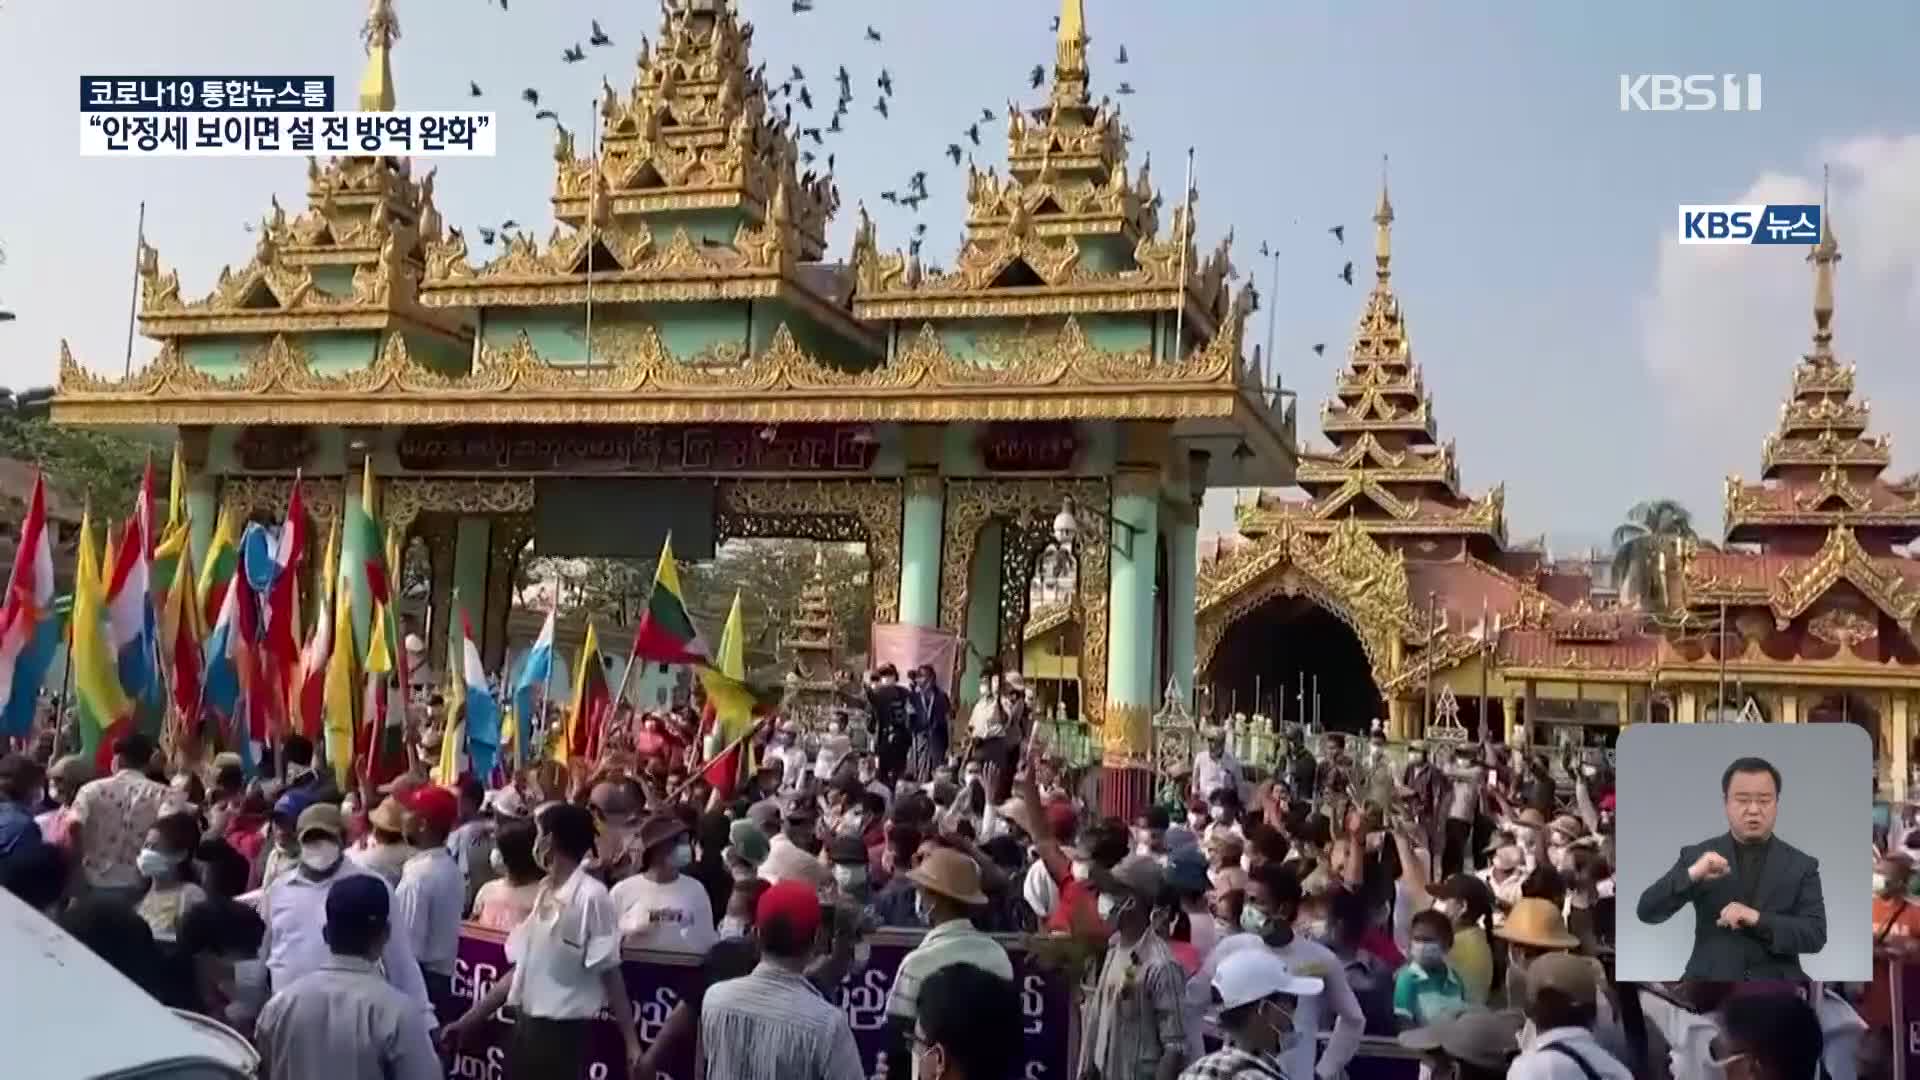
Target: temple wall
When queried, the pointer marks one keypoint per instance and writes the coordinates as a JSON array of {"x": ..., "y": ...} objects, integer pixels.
[{"x": 559, "y": 334}]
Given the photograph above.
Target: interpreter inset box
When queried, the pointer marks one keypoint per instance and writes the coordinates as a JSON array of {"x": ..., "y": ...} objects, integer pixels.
[{"x": 1744, "y": 852}]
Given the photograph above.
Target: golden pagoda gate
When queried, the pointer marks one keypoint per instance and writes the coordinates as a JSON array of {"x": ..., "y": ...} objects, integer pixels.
[{"x": 682, "y": 333}]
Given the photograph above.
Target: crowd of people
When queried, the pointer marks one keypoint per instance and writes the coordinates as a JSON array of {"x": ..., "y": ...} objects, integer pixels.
[{"x": 1457, "y": 900}]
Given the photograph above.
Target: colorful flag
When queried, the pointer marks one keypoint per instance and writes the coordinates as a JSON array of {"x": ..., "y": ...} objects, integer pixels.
[
  {"x": 726, "y": 719},
  {"x": 530, "y": 693},
  {"x": 223, "y": 559},
  {"x": 131, "y": 629},
  {"x": 105, "y": 713},
  {"x": 363, "y": 564},
  {"x": 173, "y": 538},
  {"x": 182, "y": 634},
  {"x": 592, "y": 699},
  {"x": 280, "y": 651},
  {"x": 666, "y": 634},
  {"x": 26, "y": 617},
  {"x": 316, "y": 670},
  {"x": 482, "y": 721},
  {"x": 342, "y": 697},
  {"x": 382, "y": 738}
]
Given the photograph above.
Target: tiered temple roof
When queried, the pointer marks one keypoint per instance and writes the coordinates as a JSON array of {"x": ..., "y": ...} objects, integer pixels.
[
  {"x": 1820, "y": 468},
  {"x": 1387, "y": 466}
]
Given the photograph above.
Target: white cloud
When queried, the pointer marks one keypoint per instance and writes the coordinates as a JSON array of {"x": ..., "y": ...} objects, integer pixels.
[{"x": 1723, "y": 326}]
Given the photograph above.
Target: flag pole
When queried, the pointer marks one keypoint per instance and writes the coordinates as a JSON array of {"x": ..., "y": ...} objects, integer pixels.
[
  {"x": 553, "y": 662},
  {"x": 730, "y": 748},
  {"x": 133, "y": 300}
]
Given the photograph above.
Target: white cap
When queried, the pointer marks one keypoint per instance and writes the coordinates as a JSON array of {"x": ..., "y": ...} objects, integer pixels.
[{"x": 1251, "y": 975}]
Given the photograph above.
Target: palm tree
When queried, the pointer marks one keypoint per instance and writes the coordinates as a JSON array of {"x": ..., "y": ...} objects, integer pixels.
[{"x": 1652, "y": 528}]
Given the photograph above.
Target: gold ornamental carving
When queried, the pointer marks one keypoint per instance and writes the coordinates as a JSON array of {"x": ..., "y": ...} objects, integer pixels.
[
  {"x": 1346, "y": 572},
  {"x": 1842, "y": 558},
  {"x": 404, "y": 499},
  {"x": 836, "y": 511},
  {"x": 971, "y": 504},
  {"x": 1843, "y": 628},
  {"x": 248, "y": 495},
  {"x": 1126, "y": 741}
]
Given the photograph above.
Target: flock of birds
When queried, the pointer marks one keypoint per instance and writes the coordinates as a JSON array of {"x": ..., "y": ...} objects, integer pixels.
[{"x": 794, "y": 90}]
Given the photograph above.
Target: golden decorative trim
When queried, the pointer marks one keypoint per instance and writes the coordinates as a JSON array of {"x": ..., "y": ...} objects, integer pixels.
[
  {"x": 1842, "y": 557},
  {"x": 1844, "y": 628},
  {"x": 321, "y": 496},
  {"x": 971, "y": 504},
  {"x": 1126, "y": 740},
  {"x": 1346, "y": 572},
  {"x": 857, "y": 511},
  {"x": 404, "y": 499}
]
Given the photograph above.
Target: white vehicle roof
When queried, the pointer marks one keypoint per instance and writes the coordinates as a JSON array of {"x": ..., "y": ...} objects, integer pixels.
[{"x": 66, "y": 1014}]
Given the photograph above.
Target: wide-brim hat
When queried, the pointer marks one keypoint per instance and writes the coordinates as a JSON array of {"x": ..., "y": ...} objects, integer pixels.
[
  {"x": 786, "y": 862},
  {"x": 1480, "y": 1037},
  {"x": 747, "y": 843},
  {"x": 660, "y": 829},
  {"x": 1532, "y": 818},
  {"x": 1536, "y": 923},
  {"x": 951, "y": 874},
  {"x": 389, "y": 816}
]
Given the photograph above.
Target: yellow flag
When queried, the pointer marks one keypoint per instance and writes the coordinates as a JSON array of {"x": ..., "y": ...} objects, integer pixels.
[
  {"x": 342, "y": 693},
  {"x": 177, "y": 489}
]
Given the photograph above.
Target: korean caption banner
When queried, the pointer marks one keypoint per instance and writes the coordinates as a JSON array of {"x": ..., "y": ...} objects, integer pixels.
[{"x": 657, "y": 982}]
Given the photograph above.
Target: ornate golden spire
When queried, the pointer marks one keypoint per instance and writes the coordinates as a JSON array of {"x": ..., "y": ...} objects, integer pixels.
[
  {"x": 1070, "y": 54},
  {"x": 382, "y": 29},
  {"x": 1823, "y": 257},
  {"x": 1383, "y": 227}
]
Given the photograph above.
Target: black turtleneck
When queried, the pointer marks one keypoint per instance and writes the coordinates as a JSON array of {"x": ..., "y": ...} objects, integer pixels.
[{"x": 1749, "y": 862}]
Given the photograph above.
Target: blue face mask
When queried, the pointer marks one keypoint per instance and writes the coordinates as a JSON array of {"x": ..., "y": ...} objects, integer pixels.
[
  {"x": 682, "y": 856},
  {"x": 1253, "y": 920}
]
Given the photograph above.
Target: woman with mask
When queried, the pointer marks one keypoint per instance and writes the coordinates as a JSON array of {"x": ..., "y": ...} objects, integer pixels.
[
  {"x": 1468, "y": 905},
  {"x": 166, "y": 864},
  {"x": 503, "y": 902},
  {"x": 660, "y": 907},
  {"x": 1426, "y": 990},
  {"x": 1257, "y": 997}
]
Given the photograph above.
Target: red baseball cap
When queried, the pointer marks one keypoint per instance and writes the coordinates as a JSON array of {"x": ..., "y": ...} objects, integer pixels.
[
  {"x": 794, "y": 901},
  {"x": 439, "y": 807}
]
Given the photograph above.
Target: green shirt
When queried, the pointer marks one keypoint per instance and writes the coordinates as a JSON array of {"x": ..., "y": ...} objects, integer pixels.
[{"x": 1425, "y": 997}]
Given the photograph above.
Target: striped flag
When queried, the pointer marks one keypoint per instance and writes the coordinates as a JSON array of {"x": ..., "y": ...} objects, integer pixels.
[
  {"x": 182, "y": 633},
  {"x": 592, "y": 699},
  {"x": 482, "y": 710},
  {"x": 26, "y": 619},
  {"x": 131, "y": 627},
  {"x": 666, "y": 634},
  {"x": 530, "y": 691},
  {"x": 105, "y": 713},
  {"x": 223, "y": 559},
  {"x": 342, "y": 698},
  {"x": 313, "y": 685}
]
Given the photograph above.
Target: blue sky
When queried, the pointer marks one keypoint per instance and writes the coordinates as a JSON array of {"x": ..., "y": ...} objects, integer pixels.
[{"x": 1574, "y": 352}]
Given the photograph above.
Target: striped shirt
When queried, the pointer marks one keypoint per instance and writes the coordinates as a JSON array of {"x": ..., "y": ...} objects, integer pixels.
[
  {"x": 1135, "y": 1013},
  {"x": 952, "y": 942},
  {"x": 773, "y": 1025}
]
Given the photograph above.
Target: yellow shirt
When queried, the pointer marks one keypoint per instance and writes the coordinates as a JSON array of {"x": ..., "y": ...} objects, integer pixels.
[{"x": 1472, "y": 960}]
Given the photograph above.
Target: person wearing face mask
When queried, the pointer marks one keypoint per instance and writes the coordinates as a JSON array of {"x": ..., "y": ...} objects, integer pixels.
[
  {"x": 931, "y": 713},
  {"x": 616, "y": 805},
  {"x": 1505, "y": 875},
  {"x": 1215, "y": 767},
  {"x": 1223, "y": 817},
  {"x": 64, "y": 779},
  {"x": 848, "y": 858},
  {"x": 431, "y": 898},
  {"x": 774, "y": 1024},
  {"x": 661, "y": 907},
  {"x": 835, "y": 745},
  {"x": 504, "y": 902},
  {"x": 1150, "y": 833},
  {"x": 173, "y": 884},
  {"x": 384, "y": 851},
  {"x": 1467, "y": 904},
  {"x": 22, "y": 782},
  {"x": 746, "y": 849},
  {"x": 1267, "y": 919},
  {"x": 294, "y": 910},
  {"x": 1257, "y": 997},
  {"x": 1556, "y": 1041},
  {"x": 1473, "y": 1045},
  {"x": 1426, "y": 990},
  {"x": 1771, "y": 1036},
  {"x": 967, "y": 1026},
  {"x": 948, "y": 894},
  {"x": 343, "y": 1022},
  {"x": 791, "y": 756},
  {"x": 1135, "y": 1019}
]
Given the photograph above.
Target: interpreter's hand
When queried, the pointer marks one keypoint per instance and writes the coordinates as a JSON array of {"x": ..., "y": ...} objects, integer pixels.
[
  {"x": 1710, "y": 866},
  {"x": 1737, "y": 916}
]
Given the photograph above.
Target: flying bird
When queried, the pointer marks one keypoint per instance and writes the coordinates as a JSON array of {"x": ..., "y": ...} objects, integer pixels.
[
  {"x": 872, "y": 34},
  {"x": 1263, "y": 249},
  {"x": 834, "y": 128},
  {"x": 801, "y": 7},
  {"x": 798, "y": 75},
  {"x": 811, "y": 133},
  {"x": 1124, "y": 89},
  {"x": 974, "y": 134},
  {"x": 987, "y": 117},
  {"x": 880, "y": 106},
  {"x": 1055, "y": 28},
  {"x": 546, "y": 114},
  {"x": 1320, "y": 349},
  {"x": 473, "y": 89},
  {"x": 1123, "y": 55},
  {"x": 885, "y": 82},
  {"x": 599, "y": 37},
  {"x": 845, "y": 80},
  {"x": 920, "y": 229},
  {"x": 1037, "y": 76},
  {"x": 509, "y": 224},
  {"x": 574, "y": 55},
  {"x": 1339, "y": 233},
  {"x": 806, "y": 99},
  {"x": 486, "y": 235},
  {"x": 890, "y": 196},
  {"x": 530, "y": 96},
  {"x": 1346, "y": 272}
]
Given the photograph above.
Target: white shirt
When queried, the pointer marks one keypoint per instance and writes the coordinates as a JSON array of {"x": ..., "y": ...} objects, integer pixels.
[
  {"x": 295, "y": 910},
  {"x": 560, "y": 952},
  {"x": 1334, "y": 1007},
  {"x": 674, "y": 917},
  {"x": 1464, "y": 803},
  {"x": 1211, "y": 773},
  {"x": 431, "y": 900},
  {"x": 1541, "y": 1063}
]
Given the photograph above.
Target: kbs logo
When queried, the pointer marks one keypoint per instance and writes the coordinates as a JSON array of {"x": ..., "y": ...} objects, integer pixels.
[
  {"x": 1689, "y": 93},
  {"x": 1777, "y": 223}
]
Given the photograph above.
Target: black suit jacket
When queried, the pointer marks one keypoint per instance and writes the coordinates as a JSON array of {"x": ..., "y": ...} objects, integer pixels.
[{"x": 1793, "y": 913}]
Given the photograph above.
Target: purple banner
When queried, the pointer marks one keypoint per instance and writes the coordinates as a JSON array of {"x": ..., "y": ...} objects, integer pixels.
[{"x": 656, "y": 983}]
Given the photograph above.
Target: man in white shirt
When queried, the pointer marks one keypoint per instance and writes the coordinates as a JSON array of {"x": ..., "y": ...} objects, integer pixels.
[
  {"x": 1557, "y": 1041},
  {"x": 294, "y": 908},
  {"x": 1463, "y": 806},
  {"x": 1272, "y": 905},
  {"x": 432, "y": 896},
  {"x": 660, "y": 907},
  {"x": 1215, "y": 767}
]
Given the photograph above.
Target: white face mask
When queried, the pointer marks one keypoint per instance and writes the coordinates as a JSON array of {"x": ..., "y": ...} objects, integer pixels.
[
  {"x": 1218, "y": 813},
  {"x": 733, "y": 926},
  {"x": 1082, "y": 871},
  {"x": 849, "y": 877},
  {"x": 156, "y": 865},
  {"x": 498, "y": 862},
  {"x": 320, "y": 856}
]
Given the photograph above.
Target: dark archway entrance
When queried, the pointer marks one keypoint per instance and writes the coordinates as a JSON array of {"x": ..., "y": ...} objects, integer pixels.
[
  {"x": 1848, "y": 709},
  {"x": 1274, "y": 657}
]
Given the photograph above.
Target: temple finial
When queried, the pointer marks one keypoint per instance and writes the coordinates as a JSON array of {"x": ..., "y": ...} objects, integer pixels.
[
  {"x": 1071, "y": 50},
  {"x": 382, "y": 29},
  {"x": 1383, "y": 226},
  {"x": 1823, "y": 257}
]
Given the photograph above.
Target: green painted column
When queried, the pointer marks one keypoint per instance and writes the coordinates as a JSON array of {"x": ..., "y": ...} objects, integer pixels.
[
  {"x": 203, "y": 511},
  {"x": 1131, "y": 698},
  {"x": 920, "y": 527},
  {"x": 1183, "y": 538},
  {"x": 471, "y": 539},
  {"x": 983, "y": 611}
]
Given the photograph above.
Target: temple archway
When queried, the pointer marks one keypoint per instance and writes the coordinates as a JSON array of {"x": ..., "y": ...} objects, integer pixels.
[{"x": 1288, "y": 657}]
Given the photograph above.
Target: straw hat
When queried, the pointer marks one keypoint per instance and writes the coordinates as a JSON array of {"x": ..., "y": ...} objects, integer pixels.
[
  {"x": 951, "y": 874},
  {"x": 1536, "y": 923},
  {"x": 786, "y": 862},
  {"x": 389, "y": 816}
]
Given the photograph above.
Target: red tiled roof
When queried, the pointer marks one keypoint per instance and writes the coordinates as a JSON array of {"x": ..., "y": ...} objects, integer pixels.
[
  {"x": 1542, "y": 648},
  {"x": 1567, "y": 586},
  {"x": 1745, "y": 568}
]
